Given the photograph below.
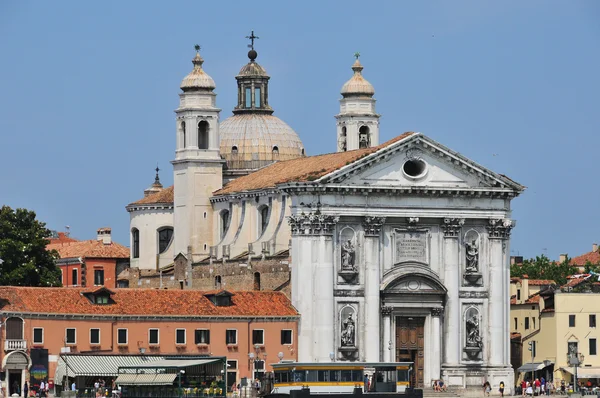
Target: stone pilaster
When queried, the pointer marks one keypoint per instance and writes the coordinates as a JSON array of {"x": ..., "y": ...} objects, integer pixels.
[
  {"x": 452, "y": 228},
  {"x": 372, "y": 277},
  {"x": 386, "y": 344},
  {"x": 436, "y": 339},
  {"x": 498, "y": 235}
]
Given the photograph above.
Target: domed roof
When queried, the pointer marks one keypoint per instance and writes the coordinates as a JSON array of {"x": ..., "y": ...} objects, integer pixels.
[
  {"x": 251, "y": 141},
  {"x": 252, "y": 69},
  {"x": 357, "y": 85},
  {"x": 197, "y": 78}
]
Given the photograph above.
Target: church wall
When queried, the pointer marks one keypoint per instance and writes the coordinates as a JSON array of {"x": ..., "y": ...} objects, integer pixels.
[{"x": 148, "y": 221}]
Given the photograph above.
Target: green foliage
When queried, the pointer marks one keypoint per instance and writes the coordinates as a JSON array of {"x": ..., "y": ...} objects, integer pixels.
[
  {"x": 542, "y": 268},
  {"x": 23, "y": 240}
]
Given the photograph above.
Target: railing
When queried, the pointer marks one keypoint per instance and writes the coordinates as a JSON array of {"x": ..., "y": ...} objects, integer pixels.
[{"x": 13, "y": 345}]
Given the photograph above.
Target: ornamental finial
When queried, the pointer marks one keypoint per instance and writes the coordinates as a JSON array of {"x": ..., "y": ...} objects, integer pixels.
[{"x": 357, "y": 55}]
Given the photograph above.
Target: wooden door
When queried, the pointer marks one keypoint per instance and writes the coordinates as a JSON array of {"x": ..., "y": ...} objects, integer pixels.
[{"x": 410, "y": 342}]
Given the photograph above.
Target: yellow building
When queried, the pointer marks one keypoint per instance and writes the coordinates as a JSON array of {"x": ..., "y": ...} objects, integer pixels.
[{"x": 567, "y": 325}]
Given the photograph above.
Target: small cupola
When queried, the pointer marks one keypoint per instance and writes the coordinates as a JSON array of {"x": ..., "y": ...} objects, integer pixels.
[
  {"x": 357, "y": 86},
  {"x": 156, "y": 186},
  {"x": 197, "y": 79},
  {"x": 220, "y": 299}
]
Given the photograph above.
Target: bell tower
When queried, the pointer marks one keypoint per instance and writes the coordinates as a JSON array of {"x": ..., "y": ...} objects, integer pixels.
[
  {"x": 198, "y": 166},
  {"x": 357, "y": 122}
]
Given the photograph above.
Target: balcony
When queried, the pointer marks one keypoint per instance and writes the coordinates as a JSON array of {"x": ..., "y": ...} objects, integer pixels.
[{"x": 13, "y": 345}]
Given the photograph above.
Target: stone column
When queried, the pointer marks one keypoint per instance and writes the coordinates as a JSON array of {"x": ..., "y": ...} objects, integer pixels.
[
  {"x": 372, "y": 228},
  {"x": 312, "y": 284},
  {"x": 387, "y": 334},
  {"x": 436, "y": 339},
  {"x": 498, "y": 234},
  {"x": 452, "y": 344}
]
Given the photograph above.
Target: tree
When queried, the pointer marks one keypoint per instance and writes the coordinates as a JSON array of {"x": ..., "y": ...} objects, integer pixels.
[
  {"x": 25, "y": 260},
  {"x": 542, "y": 268}
]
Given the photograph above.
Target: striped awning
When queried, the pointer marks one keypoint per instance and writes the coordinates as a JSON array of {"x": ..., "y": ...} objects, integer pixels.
[
  {"x": 149, "y": 379},
  {"x": 99, "y": 365}
]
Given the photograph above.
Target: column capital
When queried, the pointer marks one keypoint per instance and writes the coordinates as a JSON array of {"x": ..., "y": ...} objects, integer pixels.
[
  {"x": 452, "y": 227},
  {"x": 500, "y": 228},
  {"x": 437, "y": 312},
  {"x": 372, "y": 225},
  {"x": 312, "y": 223},
  {"x": 386, "y": 311}
]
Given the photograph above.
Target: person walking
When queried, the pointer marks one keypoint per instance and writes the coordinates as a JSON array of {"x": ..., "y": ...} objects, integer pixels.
[
  {"x": 26, "y": 390},
  {"x": 501, "y": 389},
  {"x": 366, "y": 383}
]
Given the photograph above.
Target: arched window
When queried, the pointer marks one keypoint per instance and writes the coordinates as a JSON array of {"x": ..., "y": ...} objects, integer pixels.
[
  {"x": 275, "y": 152},
  {"x": 224, "y": 222},
  {"x": 183, "y": 143},
  {"x": 263, "y": 213},
  {"x": 218, "y": 282},
  {"x": 257, "y": 281},
  {"x": 342, "y": 141},
  {"x": 165, "y": 235},
  {"x": 234, "y": 150},
  {"x": 135, "y": 242},
  {"x": 14, "y": 328},
  {"x": 302, "y": 151},
  {"x": 203, "y": 135},
  {"x": 364, "y": 137}
]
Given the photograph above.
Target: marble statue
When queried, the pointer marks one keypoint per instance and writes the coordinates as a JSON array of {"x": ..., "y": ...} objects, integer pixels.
[
  {"x": 348, "y": 256},
  {"x": 472, "y": 256},
  {"x": 473, "y": 335},
  {"x": 348, "y": 332}
]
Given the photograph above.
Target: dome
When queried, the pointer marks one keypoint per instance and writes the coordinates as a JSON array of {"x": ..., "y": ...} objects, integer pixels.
[
  {"x": 252, "y": 69},
  {"x": 197, "y": 78},
  {"x": 251, "y": 141},
  {"x": 357, "y": 85}
]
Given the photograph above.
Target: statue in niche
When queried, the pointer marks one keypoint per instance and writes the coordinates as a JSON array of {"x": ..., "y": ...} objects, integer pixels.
[
  {"x": 473, "y": 333},
  {"x": 348, "y": 329},
  {"x": 348, "y": 256},
  {"x": 472, "y": 256}
]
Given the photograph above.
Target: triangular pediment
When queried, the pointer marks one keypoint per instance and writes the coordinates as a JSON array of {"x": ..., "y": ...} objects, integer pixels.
[{"x": 417, "y": 161}]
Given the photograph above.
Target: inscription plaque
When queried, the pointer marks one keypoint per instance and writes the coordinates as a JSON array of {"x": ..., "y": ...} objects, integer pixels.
[{"x": 411, "y": 246}]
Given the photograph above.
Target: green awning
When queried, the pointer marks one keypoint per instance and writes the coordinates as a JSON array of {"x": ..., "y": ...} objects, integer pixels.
[{"x": 99, "y": 365}]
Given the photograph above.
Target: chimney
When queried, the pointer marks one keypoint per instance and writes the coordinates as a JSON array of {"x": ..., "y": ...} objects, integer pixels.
[
  {"x": 594, "y": 247},
  {"x": 562, "y": 258},
  {"x": 104, "y": 235}
]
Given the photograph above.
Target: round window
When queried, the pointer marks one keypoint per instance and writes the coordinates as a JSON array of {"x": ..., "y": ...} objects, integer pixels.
[{"x": 414, "y": 168}]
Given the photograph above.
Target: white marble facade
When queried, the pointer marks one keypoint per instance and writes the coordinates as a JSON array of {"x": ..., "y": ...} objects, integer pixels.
[{"x": 386, "y": 241}]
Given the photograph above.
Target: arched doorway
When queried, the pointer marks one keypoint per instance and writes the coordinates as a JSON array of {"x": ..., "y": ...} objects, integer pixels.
[
  {"x": 413, "y": 299},
  {"x": 15, "y": 365}
]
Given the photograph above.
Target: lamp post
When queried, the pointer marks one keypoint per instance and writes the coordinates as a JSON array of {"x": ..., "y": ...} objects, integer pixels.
[
  {"x": 280, "y": 356},
  {"x": 532, "y": 368},
  {"x": 181, "y": 371},
  {"x": 575, "y": 359}
]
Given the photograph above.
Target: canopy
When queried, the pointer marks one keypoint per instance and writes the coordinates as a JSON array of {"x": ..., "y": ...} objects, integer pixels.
[
  {"x": 533, "y": 366},
  {"x": 584, "y": 372},
  {"x": 172, "y": 363},
  {"x": 98, "y": 365},
  {"x": 151, "y": 379}
]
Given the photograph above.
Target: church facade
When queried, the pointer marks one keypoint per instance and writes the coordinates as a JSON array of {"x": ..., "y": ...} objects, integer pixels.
[{"x": 399, "y": 251}]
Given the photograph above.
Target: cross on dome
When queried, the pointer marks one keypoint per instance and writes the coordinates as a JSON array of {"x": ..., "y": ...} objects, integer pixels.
[{"x": 252, "y": 37}]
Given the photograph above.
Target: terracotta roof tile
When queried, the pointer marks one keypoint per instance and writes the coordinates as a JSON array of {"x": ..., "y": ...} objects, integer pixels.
[
  {"x": 541, "y": 282},
  {"x": 513, "y": 299},
  {"x": 164, "y": 196},
  {"x": 533, "y": 299},
  {"x": 302, "y": 169},
  {"x": 515, "y": 335},
  {"x": 592, "y": 257},
  {"x": 89, "y": 249},
  {"x": 143, "y": 302},
  {"x": 62, "y": 237},
  {"x": 576, "y": 281}
]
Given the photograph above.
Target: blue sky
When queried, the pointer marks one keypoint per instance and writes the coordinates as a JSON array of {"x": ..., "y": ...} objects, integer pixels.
[{"x": 88, "y": 91}]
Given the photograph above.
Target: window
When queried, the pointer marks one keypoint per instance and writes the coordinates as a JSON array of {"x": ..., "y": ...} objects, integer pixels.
[
  {"x": 99, "y": 277},
  {"x": 571, "y": 321},
  {"x": 248, "y": 98},
  {"x": 70, "y": 336},
  {"x": 518, "y": 294},
  {"x": 153, "y": 336},
  {"x": 224, "y": 222},
  {"x": 533, "y": 322},
  {"x": 202, "y": 336},
  {"x": 74, "y": 277},
  {"x": 263, "y": 213},
  {"x": 258, "y": 337},
  {"x": 593, "y": 350},
  {"x": 257, "y": 97},
  {"x": 526, "y": 323},
  {"x": 183, "y": 143},
  {"x": 94, "y": 336},
  {"x": 592, "y": 320},
  {"x": 218, "y": 282},
  {"x": 286, "y": 337},
  {"x": 234, "y": 150},
  {"x": 164, "y": 239},
  {"x": 231, "y": 336},
  {"x": 275, "y": 152},
  {"x": 516, "y": 323},
  {"x": 257, "y": 281},
  {"x": 203, "y": 135},
  {"x": 38, "y": 335},
  {"x": 232, "y": 364},
  {"x": 364, "y": 137},
  {"x": 101, "y": 299},
  {"x": 572, "y": 348},
  {"x": 180, "y": 336},
  {"x": 135, "y": 242},
  {"x": 122, "y": 336}
]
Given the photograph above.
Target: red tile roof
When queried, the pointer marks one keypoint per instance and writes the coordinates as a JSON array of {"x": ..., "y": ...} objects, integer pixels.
[
  {"x": 592, "y": 257},
  {"x": 150, "y": 302},
  {"x": 302, "y": 169},
  {"x": 62, "y": 238},
  {"x": 513, "y": 299},
  {"x": 541, "y": 282},
  {"x": 164, "y": 196},
  {"x": 533, "y": 299},
  {"x": 89, "y": 249},
  {"x": 572, "y": 282},
  {"x": 515, "y": 335}
]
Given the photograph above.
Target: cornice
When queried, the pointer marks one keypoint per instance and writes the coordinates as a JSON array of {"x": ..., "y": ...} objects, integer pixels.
[
  {"x": 245, "y": 195},
  {"x": 149, "y": 206},
  {"x": 179, "y": 318}
]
